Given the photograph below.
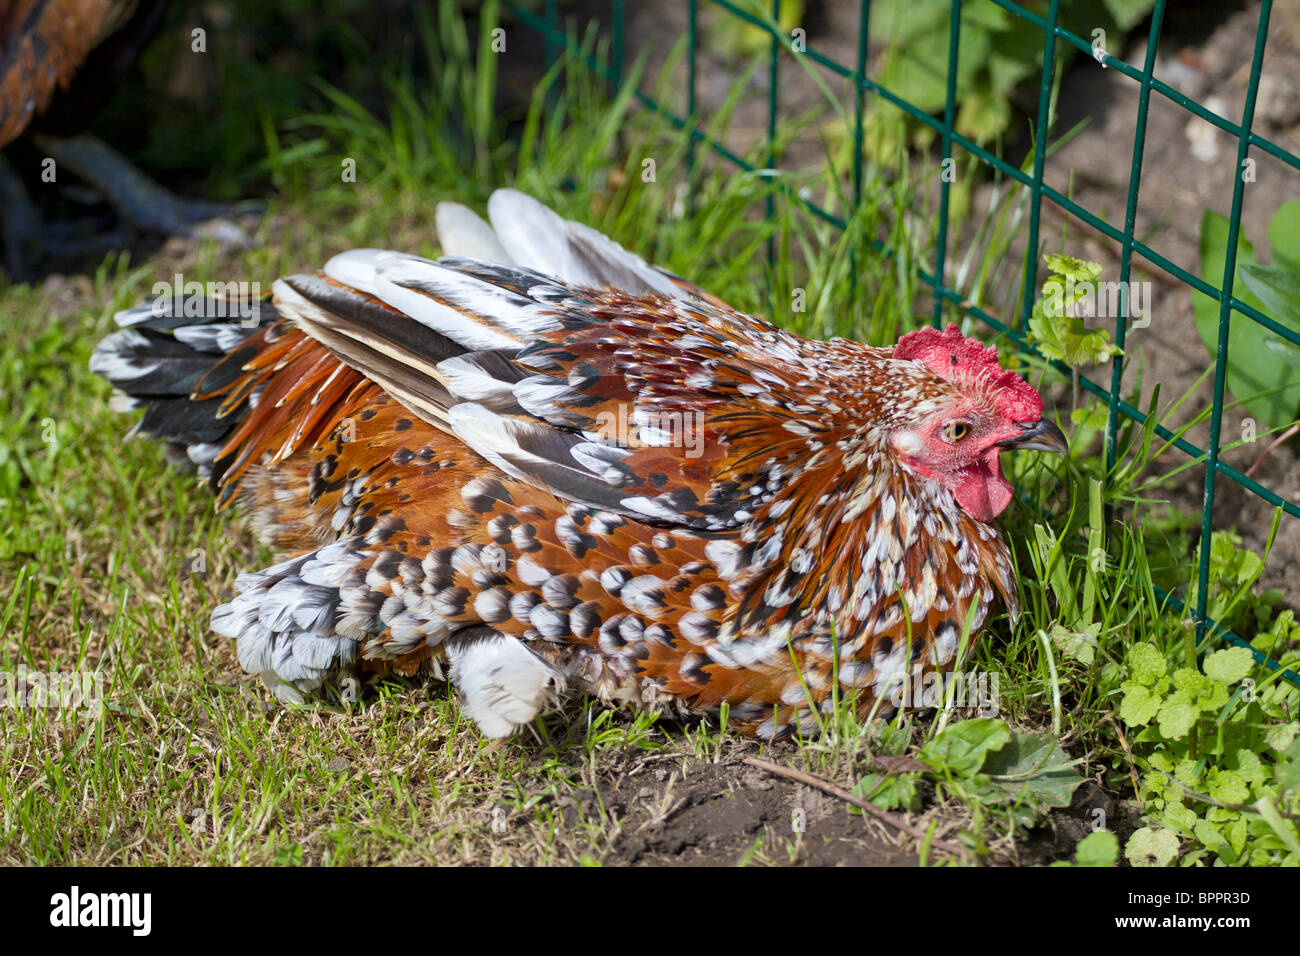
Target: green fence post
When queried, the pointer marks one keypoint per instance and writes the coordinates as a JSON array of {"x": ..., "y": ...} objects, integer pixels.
[
  {"x": 1225, "y": 316},
  {"x": 616, "y": 54},
  {"x": 692, "y": 67},
  {"x": 1040, "y": 156},
  {"x": 859, "y": 107},
  {"x": 949, "y": 112},
  {"x": 1126, "y": 251},
  {"x": 859, "y": 98},
  {"x": 552, "y": 14},
  {"x": 773, "y": 76}
]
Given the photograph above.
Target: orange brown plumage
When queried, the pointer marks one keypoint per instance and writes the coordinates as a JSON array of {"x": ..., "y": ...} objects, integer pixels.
[{"x": 566, "y": 471}]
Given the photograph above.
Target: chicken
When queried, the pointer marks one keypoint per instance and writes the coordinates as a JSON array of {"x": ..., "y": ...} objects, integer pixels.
[
  {"x": 60, "y": 61},
  {"x": 560, "y": 471}
]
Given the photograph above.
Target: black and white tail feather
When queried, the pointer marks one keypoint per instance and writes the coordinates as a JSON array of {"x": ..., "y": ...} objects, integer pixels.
[
  {"x": 158, "y": 356},
  {"x": 305, "y": 622}
]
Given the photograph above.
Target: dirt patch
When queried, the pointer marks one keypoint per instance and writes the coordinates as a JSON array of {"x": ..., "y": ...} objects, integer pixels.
[
  {"x": 689, "y": 812},
  {"x": 1093, "y": 806},
  {"x": 676, "y": 808}
]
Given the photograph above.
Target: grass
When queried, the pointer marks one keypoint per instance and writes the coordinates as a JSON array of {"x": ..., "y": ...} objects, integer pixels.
[{"x": 189, "y": 764}]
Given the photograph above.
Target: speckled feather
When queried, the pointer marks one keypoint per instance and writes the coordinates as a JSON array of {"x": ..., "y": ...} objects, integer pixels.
[{"x": 433, "y": 441}]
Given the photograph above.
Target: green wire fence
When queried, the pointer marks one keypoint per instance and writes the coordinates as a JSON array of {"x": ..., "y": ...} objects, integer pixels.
[{"x": 548, "y": 24}]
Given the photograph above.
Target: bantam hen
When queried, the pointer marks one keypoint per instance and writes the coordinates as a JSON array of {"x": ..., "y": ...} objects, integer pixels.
[{"x": 561, "y": 470}]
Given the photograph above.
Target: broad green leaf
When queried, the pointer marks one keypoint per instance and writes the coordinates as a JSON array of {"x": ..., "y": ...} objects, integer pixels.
[
  {"x": 961, "y": 748},
  {"x": 1230, "y": 665},
  {"x": 1162, "y": 760},
  {"x": 1288, "y": 768},
  {"x": 1268, "y": 386},
  {"x": 1284, "y": 235},
  {"x": 899, "y": 790},
  {"x": 1212, "y": 837},
  {"x": 1236, "y": 832},
  {"x": 1226, "y": 785},
  {"x": 1284, "y": 828},
  {"x": 1202, "y": 692},
  {"x": 1077, "y": 645},
  {"x": 1099, "y": 848},
  {"x": 1034, "y": 762},
  {"x": 1177, "y": 715},
  {"x": 1154, "y": 784},
  {"x": 1232, "y": 561},
  {"x": 1128, "y": 13},
  {"x": 1282, "y": 738},
  {"x": 1146, "y": 664},
  {"x": 1248, "y": 764},
  {"x": 1150, "y": 847},
  {"x": 1081, "y": 270},
  {"x": 998, "y": 53},
  {"x": 1278, "y": 289},
  {"x": 1139, "y": 705},
  {"x": 736, "y": 38},
  {"x": 1180, "y": 817},
  {"x": 980, "y": 112}
]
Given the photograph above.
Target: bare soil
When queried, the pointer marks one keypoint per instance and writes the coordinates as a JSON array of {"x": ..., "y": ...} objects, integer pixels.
[
  {"x": 690, "y": 812},
  {"x": 721, "y": 813}
]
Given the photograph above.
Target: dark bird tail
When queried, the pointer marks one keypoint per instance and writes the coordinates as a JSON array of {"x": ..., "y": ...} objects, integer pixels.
[{"x": 166, "y": 347}]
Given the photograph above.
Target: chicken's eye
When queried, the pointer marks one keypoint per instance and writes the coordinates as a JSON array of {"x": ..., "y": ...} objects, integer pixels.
[{"x": 956, "y": 431}]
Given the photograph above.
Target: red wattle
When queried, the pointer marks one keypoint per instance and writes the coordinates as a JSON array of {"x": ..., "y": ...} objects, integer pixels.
[{"x": 982, "y": 491}]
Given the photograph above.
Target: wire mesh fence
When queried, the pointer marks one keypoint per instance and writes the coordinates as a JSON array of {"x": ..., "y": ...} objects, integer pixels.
[{"x": 1047, "y": 20}]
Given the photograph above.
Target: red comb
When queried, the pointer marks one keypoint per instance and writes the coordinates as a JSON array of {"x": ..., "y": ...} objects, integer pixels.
[{"x": 952, "y": 356}]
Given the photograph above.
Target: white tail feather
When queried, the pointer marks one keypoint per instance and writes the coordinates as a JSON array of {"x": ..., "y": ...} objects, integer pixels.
[
  {"x": 356, "y": 268},
  {"x": 537, "y": 238},
  {"x": 463, "y": 233}
]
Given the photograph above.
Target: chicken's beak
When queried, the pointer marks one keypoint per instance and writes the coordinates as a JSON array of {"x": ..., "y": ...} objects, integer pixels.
[{"x": 1042, "y": 435}]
